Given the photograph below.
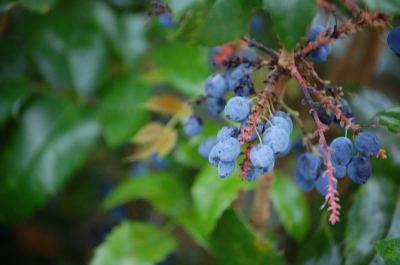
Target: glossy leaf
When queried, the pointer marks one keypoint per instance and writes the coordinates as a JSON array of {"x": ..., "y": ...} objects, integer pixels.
[
  {"x": 233, "y": 242},
  {"x": 389, "y": 249},
  {"x": 213, "y": 195},
  {"x": 369, "y": 219},
  {"x": 391, "y": 7},
  {"x": 40, "y": 6},
  {"x": 52, "y": 140},
  {"x": 161, "y": 189},
  {"x": 178, "y": 61},
  {"x": 291, "y": 205},
  {"x": 390, "y": 118},
  {"x": 68, "y": 55},
  {"x": 121, "y": 111},
  {"x": 12, "y": 95},
  {"x": 290, "y": 19},
  {"x": 215, "y": 22},
  {"x": 148, "y": 133},
  {"x": 136, "y": 243}
]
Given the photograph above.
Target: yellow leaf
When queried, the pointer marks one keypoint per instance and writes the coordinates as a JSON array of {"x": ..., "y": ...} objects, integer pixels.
[
  {"x": 167, "y": 140},
  {"x": 148, "y": 133},
  {"x": 165, "y": 104}
]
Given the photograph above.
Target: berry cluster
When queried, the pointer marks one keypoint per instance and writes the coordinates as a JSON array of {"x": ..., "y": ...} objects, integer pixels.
[{"x": 320, "y": 54}]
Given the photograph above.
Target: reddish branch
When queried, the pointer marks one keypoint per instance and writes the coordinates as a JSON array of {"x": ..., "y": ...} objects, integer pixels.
[
  {"x": 303, "y": 84},
  {"x": 246, "y": 164},
  {"x": 332, "y": 192}
]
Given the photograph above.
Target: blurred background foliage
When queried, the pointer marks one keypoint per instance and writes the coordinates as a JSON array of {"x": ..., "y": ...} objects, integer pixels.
[{"x": 74, "y": 79}]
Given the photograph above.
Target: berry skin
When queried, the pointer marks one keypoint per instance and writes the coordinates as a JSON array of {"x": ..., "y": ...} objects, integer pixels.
[
  {"x": 228, "y": 149},
  {"x": 253, "y": 174},
  {"x": 193, "y": 125},
  {"x": 284, "y": 153},
  {"x": 367, "y": 144},
  {"x": 278, "y": 121},
  {"x": 225, "y": 169},
  {"x": 239, "y": 81},
  {"x": 314, "y": 31},
  {"x": 227, "y": 131},
  {"x": 286, "y": 117},
  {"x": 308, "y": 165},
  {"x": 237, "y": 109},
  {"x": 216, "y": 105},
  {"x": 324, "y": 117},
  {"x": 277, "y": 138},
  {"x": 321, "y": 184},
  {"x": 261, "y": 156},
  {"x": 206, "y": 145},
  {"x": 359, "y": 169},
  {"x": 321, "y": 53},
  {"x": 165, "y": 20},
  {"x": 260, "y": 128},
  {"x": 216, "y": 86},
  {"x": 340, "y": 171},
  {"x": 304, "y": 184},
  {"x": 213, "y": 157},
  {"x": 393, "y": 40},
  {"x": 342, "y": 151}
]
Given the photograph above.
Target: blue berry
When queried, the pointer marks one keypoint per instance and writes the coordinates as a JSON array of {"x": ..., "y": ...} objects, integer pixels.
[
  {"x": 237, "y": 109},
  {"x": 225, "y": 169},
  {"x": 367, "y": 144},
  {"x": 340, "y": 170},
  {"x": 322, "y": 183},
  {"x": 321, "y": 53},
  {"x": 216, "y": 86},
  {"x": 278, "y": 121},
  {"x": 260, "y": 128},
  {"x": 253, "y": 174},
  {"x": 277, "y": 138},
  {"x": 359, "y": 169},
  {"x": 228, "y": 149},
  {"x": 213, "y": 156},
  {"x": 286, "y": 117},
  {"x": 284, "y": 153},
  {"x": 393, "y": 40},
  {"x": 323, "y": 116},
  {"x": 342, "y": 151},
  {"x": 215, "y": 105},
  {"x": 314, "y": 31},
  {"x": 304, "y": 184},
  {"x": 206, "y": 145},
  {"x": 228, "y": 131},
  {"x": 346, "y": 111},
  {"x": 240, "y": 83},
  {"x": 308, "y": 165},
  {"x": 261, "y": 156},
  {"x": 165, "y": 20},
  {"x": 193, "y": 125}
]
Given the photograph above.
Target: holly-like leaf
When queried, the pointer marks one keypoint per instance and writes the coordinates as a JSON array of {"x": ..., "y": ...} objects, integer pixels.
[
  {"x": 168, "y": 104},
  {"x": 12, "y": 94},
  {"x": 294, "y": 217},
  {"x": 51, "y": 141},
  {"x": 290, "y": 19},
  {"x": 215, "y": 22},
  {"x": 390, "y": 7},
  {"x": 389, "y": 250},
  {"x": 136, "y": 243},
  {"x": 161, "y": 189},
  {"x": 121, "y": 110},
  {"x": 233, "y": 243},
  {"x": 369, "y": 219},
  {"x": 390, "y": 118}
]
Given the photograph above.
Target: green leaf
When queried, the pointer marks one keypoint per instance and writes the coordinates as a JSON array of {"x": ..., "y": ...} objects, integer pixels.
[
  {"x": 51, "y": 142},
  {"x": 40, "y": 6},
  {"x": 294, "y": 217},
  {"x": 122, "y": 110},
  {"x": 134, "y": 243},
  {"x": 389, "y": 250},
  {"x": 68, "y": 54},
  {"x": 161, "y": 189},
  {"x": 186, "y": 67},
  {"x": 12, "y": 94},
  {"x": 390, "y": 118},
  {"x": 233, "y": 243},
  {"x": 369, "y": 219},
  {"x": 390, "y": 7},
  {"x": 215, "y": 22},
  {"x": 213, "y": 195},
  {"x": 290, "y": 19}
]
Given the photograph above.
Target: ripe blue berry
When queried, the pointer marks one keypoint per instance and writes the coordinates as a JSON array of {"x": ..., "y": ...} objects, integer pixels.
[
  {"x": 213, "y": 157},
  {"x": 216, "y": 86},
  {"x": 277, "y": 121},
  {"x": 239, "y": 81},
  {"x": 225, "y": 169},
  {"x": 393, "y": 40},
  {"x": 322, "y": 183},
  {"x": 308, "y": 165},
  {"x": 206, "y": 145},
  {"x": 321, "y": 53},
  {"x": 228, "y": 131},
  {"x": 314, "y": 31},
  {"x": 304, "y": 184},
  {"x": 359, "y": 169},
  {"x": 215, "y": 105},
  {"x": 277, "y": 138},
  {"x": 253, "y": 174},
  {"x": 342, "y": 151},
  {"x": 261, "y": 156},
  {"x": 284, "y": 153},
  {"x": 323, "y": 116},
  {"x": 346, "y": 112},
  {"x": 237, "y": 109},
  {"x": 367, "y": 144},
  {"x": 228, "y": 149},
  {"x": 193, "y": 125},
  {"x": 286, "y": 117},
  {"x": 165, "y": 20}
]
